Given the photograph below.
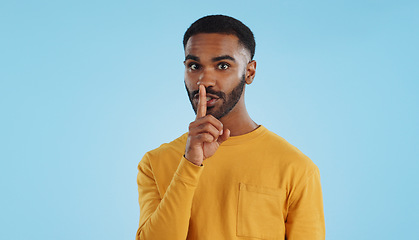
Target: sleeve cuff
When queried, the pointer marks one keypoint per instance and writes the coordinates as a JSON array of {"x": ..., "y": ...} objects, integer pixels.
[{"x": 189, "y": 172}]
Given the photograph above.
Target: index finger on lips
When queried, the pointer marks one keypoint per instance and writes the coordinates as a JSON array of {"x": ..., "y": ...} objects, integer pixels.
[{"x": 202, "y": 103}]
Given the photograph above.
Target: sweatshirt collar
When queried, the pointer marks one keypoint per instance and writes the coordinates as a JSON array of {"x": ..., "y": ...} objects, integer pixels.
[{"x": 248, "y": 137}]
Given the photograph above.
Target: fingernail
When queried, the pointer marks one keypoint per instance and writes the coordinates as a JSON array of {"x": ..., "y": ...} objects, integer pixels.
[{"x": 221, "y": 132}]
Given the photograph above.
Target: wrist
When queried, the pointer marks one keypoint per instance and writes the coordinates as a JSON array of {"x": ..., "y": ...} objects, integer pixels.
[{"x": 197, "y": 163}]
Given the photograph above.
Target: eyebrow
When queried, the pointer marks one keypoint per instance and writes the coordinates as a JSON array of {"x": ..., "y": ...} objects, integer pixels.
[
  {"x": 224, "y": 57},
  {"x": 192, "y": 57},
  {"x": 215, "y": 59}
]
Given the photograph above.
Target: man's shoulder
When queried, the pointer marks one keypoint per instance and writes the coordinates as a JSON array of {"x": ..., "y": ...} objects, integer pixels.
[
  {"x": 173, "y": 149},
  {"x": 177, "y": 145},
  {"x": 287, "y": 152}
]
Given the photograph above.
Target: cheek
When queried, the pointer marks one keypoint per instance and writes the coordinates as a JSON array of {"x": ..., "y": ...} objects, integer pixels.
[
  {"x": 190, "y": 83},
  {"x": 242, "y": 73}
]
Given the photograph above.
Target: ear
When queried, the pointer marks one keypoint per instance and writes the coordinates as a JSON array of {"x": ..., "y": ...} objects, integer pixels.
[{"x": 250, "y": 71}]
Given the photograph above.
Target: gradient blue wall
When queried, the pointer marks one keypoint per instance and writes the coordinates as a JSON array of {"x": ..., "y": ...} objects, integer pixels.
[{"x": 87, "y": 87}]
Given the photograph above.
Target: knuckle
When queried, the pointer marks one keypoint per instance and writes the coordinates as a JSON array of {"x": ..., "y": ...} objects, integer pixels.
[
  {"x": 191, "y": 125},
  {"x": 199, "y": 137},
  {"x": 204, "y": 126},
  {"x": 209, "y": 137},
  {"x": 215, "y": 121},
  {"x": 205, "y": 137},
  {"x": 210, "y": 117}
]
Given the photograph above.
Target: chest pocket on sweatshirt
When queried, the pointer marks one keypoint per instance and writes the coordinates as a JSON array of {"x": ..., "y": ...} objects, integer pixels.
[{"x": 260, "y": 212}]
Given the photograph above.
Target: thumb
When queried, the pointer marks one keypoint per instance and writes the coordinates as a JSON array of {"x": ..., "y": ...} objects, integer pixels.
[{"x": 224, "y": 136}]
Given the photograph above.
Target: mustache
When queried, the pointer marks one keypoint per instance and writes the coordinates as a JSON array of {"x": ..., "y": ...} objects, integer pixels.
[{"x": 209, "y": 90}]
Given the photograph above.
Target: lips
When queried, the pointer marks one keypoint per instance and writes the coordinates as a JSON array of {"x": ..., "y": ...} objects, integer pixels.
[
  {"x": 211, "y": 99},
  {"x": 211, "y": 102}
]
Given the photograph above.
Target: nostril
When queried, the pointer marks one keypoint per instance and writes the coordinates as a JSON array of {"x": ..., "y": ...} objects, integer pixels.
[{"x": 206, "y": 79}]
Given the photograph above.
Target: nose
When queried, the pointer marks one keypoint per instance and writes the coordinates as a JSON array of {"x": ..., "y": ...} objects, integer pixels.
[{"x": 206, "y": 78}]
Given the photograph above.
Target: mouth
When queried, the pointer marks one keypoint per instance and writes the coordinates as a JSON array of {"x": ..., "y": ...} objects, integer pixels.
[{"x": 211, "y": 100}]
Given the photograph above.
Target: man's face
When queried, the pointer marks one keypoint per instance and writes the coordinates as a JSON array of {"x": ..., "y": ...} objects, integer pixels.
[{"x": 219, "y": 62}]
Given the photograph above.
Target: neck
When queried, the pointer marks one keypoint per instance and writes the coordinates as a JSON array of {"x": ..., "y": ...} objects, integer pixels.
[{"x": 238, "y": 120}]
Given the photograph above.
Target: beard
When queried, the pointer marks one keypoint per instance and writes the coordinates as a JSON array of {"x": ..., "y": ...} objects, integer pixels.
[{"x": 229, "y": 101}]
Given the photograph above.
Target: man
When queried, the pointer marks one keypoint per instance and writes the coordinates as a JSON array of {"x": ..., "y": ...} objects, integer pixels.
[{"x": 228, "y": 177}]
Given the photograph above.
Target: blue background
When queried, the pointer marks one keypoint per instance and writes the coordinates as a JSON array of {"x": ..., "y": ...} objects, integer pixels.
[{"x": 87, "y": 87}]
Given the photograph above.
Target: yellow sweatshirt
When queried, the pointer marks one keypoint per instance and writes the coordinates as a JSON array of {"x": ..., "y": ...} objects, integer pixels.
[{"x": 256, "y": 186}]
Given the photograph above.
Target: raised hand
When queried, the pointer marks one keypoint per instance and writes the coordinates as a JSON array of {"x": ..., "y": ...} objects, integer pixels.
[{"x": 206, "y": 133}]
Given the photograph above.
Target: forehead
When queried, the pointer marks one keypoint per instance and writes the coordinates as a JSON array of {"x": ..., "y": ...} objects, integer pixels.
[{"x": 214, "y": 44}]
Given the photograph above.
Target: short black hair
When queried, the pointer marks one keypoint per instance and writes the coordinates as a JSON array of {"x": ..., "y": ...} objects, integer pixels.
[{"x": 222, "y": 24}]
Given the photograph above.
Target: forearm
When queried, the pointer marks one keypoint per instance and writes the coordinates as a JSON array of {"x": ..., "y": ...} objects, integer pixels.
[{"x": 168, "y": 217}]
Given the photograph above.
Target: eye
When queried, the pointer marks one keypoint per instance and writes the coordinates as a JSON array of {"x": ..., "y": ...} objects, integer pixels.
[
  {"x": 223, "y": 66},
  {"x": 193, "y": 66}
]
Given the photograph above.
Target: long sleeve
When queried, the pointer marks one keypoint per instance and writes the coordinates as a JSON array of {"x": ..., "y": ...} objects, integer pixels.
[
  {"x": 305, "y": 218},
  {"x": 167, "y": 216}
]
